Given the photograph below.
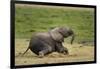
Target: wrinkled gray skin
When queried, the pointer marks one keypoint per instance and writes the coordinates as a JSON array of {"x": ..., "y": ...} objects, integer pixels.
[{"x": 47, "y": 42}]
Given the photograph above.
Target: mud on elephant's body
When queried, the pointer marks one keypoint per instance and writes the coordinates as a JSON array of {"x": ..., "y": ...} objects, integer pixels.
[{"x": 47, "y": 42}]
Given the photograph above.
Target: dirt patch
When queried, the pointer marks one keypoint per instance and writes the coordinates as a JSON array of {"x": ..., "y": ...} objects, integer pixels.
[
  {"x": 87, "y": 43},
  {"x": 76, "y": 54}
]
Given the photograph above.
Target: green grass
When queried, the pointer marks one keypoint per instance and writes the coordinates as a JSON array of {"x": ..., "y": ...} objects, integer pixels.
[{"x": 35, "y": 19}]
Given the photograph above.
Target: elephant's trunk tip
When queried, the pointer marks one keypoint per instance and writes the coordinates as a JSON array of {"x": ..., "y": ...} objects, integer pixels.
[{"x": 73, "y": 36}]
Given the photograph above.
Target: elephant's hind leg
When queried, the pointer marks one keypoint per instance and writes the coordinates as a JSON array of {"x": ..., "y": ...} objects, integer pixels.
[
  {"x": 45, "y": 51},
  {"x": 41, "y": 54}
]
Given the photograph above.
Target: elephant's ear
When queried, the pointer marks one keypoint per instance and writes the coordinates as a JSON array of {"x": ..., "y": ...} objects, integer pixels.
[{"x": 57, "y": 36}]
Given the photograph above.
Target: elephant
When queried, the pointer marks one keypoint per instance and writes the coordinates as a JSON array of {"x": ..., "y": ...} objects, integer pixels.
[{"x": 43, "y": 43}]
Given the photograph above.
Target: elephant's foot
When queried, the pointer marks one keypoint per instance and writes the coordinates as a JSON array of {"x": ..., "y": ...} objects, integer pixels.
[
  {"x": 66, "y": 53},
  {"x": 41, "y": 54}
]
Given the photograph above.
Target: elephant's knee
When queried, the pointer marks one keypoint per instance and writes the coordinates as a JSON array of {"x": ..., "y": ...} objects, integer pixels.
[
  {"x": 44, "y": 52},
  {"x": 61, "y": 50},
  {"x": 49, "y": 48},
  {"x": 41, "y": 54},
  {"x": 66, "y": 52}
]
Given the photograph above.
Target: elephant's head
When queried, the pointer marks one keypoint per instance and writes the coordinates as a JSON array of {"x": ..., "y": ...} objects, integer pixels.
[{"x": 59, "y": 33}]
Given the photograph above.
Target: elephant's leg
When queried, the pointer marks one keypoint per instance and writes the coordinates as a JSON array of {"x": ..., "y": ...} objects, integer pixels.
[
  {"x": 66, "y": 51},
  {"x": 42, "y": 53},
  {"x": 45, "y": 51},
  {"x": 61, "y": 49}
]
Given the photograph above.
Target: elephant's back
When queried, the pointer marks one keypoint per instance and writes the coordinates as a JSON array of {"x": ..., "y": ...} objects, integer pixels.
[{"x": 46, "y": 38}]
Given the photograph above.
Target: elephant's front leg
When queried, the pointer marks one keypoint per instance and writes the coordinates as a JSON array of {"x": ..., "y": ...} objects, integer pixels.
[
  {"x": 66, "y": 51},
  {"x": 61, "y": 49}
]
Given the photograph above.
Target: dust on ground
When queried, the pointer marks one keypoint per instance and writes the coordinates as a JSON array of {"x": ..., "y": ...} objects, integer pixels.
[{"x": 77, "y": 53}]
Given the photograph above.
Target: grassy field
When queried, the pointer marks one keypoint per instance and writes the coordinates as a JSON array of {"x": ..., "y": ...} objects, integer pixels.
[
  {"x": 34, "y": 19},
  {"x": 30, "y": 19}
]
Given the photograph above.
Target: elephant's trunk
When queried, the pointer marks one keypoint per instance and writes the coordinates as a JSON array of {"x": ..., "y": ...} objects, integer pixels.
[{"x": 73, "y": 36}]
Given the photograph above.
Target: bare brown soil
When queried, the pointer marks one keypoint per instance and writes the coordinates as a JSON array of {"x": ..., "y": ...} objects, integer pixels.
[{"x": 77, "y": 53}]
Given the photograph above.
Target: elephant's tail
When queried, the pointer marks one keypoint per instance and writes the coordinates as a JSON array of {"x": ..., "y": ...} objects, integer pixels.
[{"x": 26, "y": 51}]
